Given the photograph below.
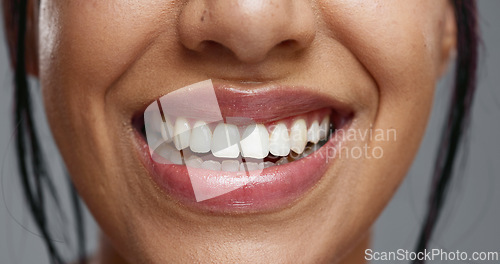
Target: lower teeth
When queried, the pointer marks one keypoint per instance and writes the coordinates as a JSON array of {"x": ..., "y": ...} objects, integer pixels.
[{"x": 167, "y": 154}]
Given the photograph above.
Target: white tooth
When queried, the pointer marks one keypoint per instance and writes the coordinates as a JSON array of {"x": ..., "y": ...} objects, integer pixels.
[
  {"x": 252, "y": 166},
  {"x": 211, "y": 165},
  {"x": 167, "y": 130},
  {"x": 298, "y": 136},
  {"x": 225, "y": 141},
  {"x": 267, "y": 164},
  {"x": 230, "y": 165},
  {"x": 309, "y": 150},
  {"x": 194, "y": 162},
  {"x": 313, "y": 132},
  {"x": 168, "y": 153},
  {"x": 282, "y": 161},
  {"x": 255, "y": 142},
  {"x": 164, "y": 151},
  {"x": 279, "y": 141},
  {"x": 152, "y": 125},
  {"x": 323, "y": 128},
  {"x": 201, "y": 138},
  {"x": 175, "y": 157},
  {"x": 181, "y": 133},
  {"x": 249, "y": 166}
]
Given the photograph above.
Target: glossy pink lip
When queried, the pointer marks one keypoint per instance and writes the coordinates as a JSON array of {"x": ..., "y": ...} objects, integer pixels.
[
  {"x": 275, "y": 187},
  {"x": 267, "y": 104}
]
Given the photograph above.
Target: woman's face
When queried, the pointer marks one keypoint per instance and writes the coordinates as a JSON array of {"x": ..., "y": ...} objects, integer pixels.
[{"x": 372, "y": 64}]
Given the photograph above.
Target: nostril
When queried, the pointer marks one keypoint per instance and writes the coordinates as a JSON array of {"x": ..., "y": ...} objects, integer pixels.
[
  {"x": 214, "y": 47},
  {"x": 289, "y": 43},
  {"x": 248, "y": 31},
  {"x": 211, "y": 44}
]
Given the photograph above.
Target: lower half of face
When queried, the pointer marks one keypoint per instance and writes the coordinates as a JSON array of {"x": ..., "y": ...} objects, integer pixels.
[{"x": 279, "y": 132}]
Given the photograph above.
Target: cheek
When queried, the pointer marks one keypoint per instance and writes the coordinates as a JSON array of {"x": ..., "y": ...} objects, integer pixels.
[
  {"x": 86, "y": 47},
  {"x": 398, "y": 43},
  {"x": 99, "y": 39}
]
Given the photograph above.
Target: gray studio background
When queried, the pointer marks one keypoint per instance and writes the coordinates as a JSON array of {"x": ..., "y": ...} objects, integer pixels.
[{"x": 470, "y": 221}]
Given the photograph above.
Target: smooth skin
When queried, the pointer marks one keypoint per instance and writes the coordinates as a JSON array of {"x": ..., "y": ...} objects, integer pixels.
[{"x": 100, "y": 61}]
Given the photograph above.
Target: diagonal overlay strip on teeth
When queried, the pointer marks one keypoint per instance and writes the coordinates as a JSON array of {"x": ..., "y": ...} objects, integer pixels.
[{"x": 225, "y": 141}]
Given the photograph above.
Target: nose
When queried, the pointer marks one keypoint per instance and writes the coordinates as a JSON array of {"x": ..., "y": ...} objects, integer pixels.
[{"x": 250, "y": 29}]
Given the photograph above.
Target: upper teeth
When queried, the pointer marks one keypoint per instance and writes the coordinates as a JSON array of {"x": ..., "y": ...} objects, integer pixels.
[
  {"x": 182, "y": 133},
  {"x": 313, "y": 132},
  {"x": 279, "y": 141},
  {"x": 201, "y": 138},
  {"x": 323, "y": 128},
  {"x": 255, "y": 140},
  {"x": 225, "y": 141},
  {"x": 298, "y": 135}
]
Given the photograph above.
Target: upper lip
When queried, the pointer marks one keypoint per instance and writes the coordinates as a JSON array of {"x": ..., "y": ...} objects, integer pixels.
[{"x": 262, "y": 103}]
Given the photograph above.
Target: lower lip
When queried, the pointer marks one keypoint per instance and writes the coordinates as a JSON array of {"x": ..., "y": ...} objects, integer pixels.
[{"x": 274, "y": 188}]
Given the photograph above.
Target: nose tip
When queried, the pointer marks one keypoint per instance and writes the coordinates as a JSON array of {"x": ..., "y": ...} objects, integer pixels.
[{"x": 250, "y": 29}]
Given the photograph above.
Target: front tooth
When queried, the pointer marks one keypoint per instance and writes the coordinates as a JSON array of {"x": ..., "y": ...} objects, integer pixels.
[
  {"x": 225, "y": 141},
  {"x": 230, "y": 165},
  {"x": 249, "y": 166},
  {"x": 211, "y": 165},
  {"x": 181, "y": 133},
  {"x": 313, "y": 132},
  {"x": 255, "y": 142},
  {"x": 194, "y": 162},
  {"x": 279, "y": 141},
  {"x": 201, "y": 138},
  {"x": 298, "y": 136},
  {"x": 167, "y": 130},
  {"x": 323, "y": 128}
]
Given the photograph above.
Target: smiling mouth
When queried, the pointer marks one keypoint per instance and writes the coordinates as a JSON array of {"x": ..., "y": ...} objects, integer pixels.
[{"x": 219, "y": 149}]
